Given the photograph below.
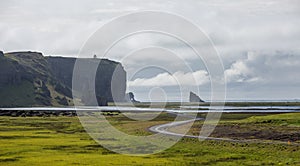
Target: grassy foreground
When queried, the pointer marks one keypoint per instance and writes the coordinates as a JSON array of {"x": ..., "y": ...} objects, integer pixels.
[{"x": 62, "y": 141}]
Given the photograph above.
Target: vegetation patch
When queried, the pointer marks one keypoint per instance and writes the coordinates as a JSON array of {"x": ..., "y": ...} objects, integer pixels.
[{"x": 48, "y": 141}]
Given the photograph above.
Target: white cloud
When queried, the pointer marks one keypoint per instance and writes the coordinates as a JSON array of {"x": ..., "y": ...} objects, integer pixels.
[
  {"x": 240, "y": 71},
  {"x": 266, "y": 68},
  {"x": 235, "y": 27},
  {"x": 177, "y": 79}
]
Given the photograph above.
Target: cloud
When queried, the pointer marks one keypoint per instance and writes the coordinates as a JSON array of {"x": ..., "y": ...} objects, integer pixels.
[
  {"x": 241, "y": 71},
  {"x": 235, "y": 27},
  {"x": 269, "y": 68},
  {"x": 177, "y": 79}
]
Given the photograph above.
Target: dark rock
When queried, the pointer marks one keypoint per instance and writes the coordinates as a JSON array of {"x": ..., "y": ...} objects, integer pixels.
[
  {"x": 62, "y": 101},
  {"x": 110, "y": 76},
  {"x": 195, "y": 98},
  {"x": 89, "y": 100},
  {"x": 45, "y": 91},
  {"x": 42, "y": 101},
  {"x": 10, "y": 72},
  {"x": 130, "y": 98},
  {"x": 27, "y": 77},
  {"x": 63, "y": 90},
  {"x": 1, "y": 54}
]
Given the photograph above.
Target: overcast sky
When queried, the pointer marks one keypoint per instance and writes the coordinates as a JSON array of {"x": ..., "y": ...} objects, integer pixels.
[{"x": 258, "y": 41}]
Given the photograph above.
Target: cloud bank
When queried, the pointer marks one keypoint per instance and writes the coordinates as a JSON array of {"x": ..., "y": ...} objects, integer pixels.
[
  {"x": 258, "y": 41},
  {"x": 179, "y": 78}
]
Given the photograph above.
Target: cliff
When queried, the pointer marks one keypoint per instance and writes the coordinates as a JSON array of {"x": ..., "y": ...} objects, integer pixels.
[
  {"x": 30, "y": 79},
  {"x": 195, "y": 98}
]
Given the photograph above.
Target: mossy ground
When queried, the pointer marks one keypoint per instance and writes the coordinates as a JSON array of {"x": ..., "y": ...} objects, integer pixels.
[{"x": 63, "y": 141}]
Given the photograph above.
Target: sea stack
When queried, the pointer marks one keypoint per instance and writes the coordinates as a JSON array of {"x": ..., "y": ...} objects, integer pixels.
[
  {"x": 130, "y": 98},
  {"x": 195, "y": 98}
]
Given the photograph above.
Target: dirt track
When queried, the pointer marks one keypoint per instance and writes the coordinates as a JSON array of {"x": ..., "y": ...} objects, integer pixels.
[{"x": 268, "y": 137}]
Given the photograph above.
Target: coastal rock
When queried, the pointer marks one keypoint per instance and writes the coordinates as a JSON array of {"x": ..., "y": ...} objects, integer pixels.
[
  {"x": 30, "y": 79},
  {"x": 110, "y": 77},
  {"x": 130, "y": 98},
  {"x": 195, "y": 98}
]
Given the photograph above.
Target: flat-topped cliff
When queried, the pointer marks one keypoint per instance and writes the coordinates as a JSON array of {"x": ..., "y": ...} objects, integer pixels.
[{"x": 31, "y": 79}]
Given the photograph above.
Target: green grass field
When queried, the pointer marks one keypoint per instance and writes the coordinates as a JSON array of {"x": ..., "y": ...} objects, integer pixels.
[{"x": 63, "y": 141}]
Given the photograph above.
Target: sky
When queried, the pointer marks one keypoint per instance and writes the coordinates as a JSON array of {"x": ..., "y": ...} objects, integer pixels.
[{"x": 258, "y": 43}]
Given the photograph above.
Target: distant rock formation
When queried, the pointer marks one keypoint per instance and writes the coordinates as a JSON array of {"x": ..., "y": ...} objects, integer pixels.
[
  {"x": 30, "y": 79},
  {"x": 195, "y": 98},
  {"x": 1, "y": 54},
  {"x": 130, "y": 98}
]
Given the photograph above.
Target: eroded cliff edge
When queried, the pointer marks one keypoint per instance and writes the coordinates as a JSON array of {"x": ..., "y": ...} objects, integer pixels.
[{"x": 30, "y": 79}]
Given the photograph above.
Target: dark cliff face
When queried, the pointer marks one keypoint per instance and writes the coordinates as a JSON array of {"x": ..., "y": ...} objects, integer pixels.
[
  {"x": 30, "y": 79},
  {"x": 19, "y": 66},
  {"x": 62, "y": 69},
  {"x": 10, "y": 72},
  {"x": 110, "y": 76},
  {"x": 23, "y": 79}
]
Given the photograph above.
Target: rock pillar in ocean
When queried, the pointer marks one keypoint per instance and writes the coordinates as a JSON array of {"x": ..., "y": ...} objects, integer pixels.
[{"x": 195, "y": 98}]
